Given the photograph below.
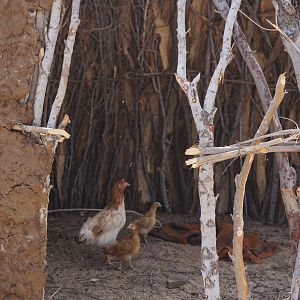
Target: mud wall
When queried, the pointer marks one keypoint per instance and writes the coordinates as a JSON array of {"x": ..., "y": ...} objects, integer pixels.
[
  {"x": 19, "y": 48},
  {"x": 23, "y": 208},
  {"x": 25, "y": 165}
]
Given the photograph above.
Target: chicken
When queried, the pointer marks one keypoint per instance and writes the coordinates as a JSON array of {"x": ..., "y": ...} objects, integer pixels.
[
  {"x": 147, "y": 222},
  {"x": 103, "y": 228},
  {"x": 126, "y": 248}
]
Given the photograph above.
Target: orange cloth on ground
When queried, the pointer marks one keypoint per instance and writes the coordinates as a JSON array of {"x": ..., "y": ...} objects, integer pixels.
[{"x": 254, "y": 248}]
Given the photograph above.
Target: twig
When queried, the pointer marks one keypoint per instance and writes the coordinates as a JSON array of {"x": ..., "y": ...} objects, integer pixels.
[
  {"x": 55, "y": 292},
  {"x": 150, "y": 278},
  {"x": 285, "y": 36},
  {"x": 64, "y": 123},
  {"x": 261, "y": 27},
  {"x": 273, "y": 134},
  {"x": 97, "y": 209},
  {"x": 87, "y": 209}
]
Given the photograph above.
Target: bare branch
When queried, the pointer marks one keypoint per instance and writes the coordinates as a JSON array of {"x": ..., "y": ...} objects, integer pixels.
[
  {"x": 190, "y": 89},
  {"x": 56, "y": 106},
  {"x": 46, "y": 57},
  {"x": 181, "y": 66},
  {"x": 225, "y": 58}
]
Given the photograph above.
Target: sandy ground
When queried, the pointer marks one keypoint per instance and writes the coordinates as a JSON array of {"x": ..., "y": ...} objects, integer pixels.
[{"x": 77, "y": 271}]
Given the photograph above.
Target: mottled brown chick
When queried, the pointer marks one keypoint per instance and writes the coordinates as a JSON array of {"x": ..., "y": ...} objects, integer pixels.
[
  {"x": 147, "y": 222},
  {"x": 125, "y": 249}
]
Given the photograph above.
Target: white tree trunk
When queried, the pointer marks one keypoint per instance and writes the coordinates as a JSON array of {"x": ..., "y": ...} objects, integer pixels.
[
  {"x": 208, "y": 200},
  {"x": 69, "y": 45},
  {"x": 204, "y": 123},
  {"x": 46, "y": 59}
]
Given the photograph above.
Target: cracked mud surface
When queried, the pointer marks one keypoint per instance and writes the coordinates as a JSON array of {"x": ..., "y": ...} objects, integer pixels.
[
  {"x": 23, "y": 206},
  {"x": 19, "y": 49}
]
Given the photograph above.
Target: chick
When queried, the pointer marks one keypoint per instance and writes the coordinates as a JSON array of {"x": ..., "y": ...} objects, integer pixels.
[
  {"x": 125, "y": 249},
  {"x": 147, "y": 222}
]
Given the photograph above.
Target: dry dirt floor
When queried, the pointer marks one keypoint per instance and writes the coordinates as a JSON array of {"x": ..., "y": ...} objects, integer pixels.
[{"x": 77, "y": 271}]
